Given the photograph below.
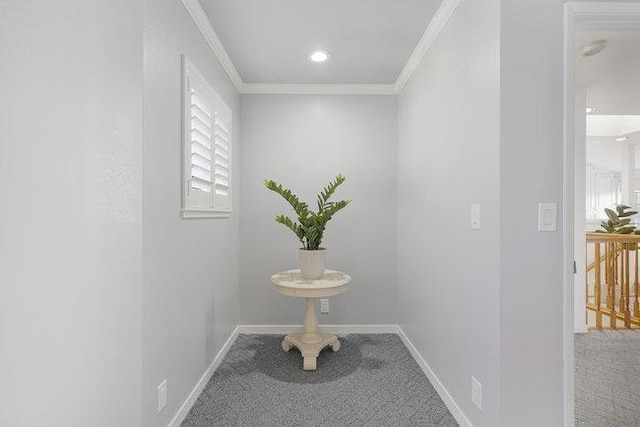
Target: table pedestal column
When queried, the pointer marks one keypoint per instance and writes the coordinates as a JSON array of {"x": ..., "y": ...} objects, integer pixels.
[{"x": 310, "y": 342}]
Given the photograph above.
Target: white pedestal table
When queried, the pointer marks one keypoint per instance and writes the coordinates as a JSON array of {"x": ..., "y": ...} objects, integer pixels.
[{"x": 310, "y": 341}]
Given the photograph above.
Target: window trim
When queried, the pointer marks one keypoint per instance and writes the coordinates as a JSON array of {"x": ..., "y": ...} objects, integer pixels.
[{"x": 191, "y": 76}]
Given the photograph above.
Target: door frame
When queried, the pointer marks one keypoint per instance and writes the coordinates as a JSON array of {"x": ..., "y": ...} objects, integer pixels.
[{"x": 576, "y": 12}]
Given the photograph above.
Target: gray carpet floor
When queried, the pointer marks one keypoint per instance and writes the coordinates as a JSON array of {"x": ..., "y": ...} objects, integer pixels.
[
  {"x": 372, "y": 380},
  {"x": 607, "y": 379}
]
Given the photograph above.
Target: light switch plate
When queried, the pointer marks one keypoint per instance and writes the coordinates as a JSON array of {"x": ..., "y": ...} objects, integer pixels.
[
  {"x": 547, "y": 213},
  {"x": 476, "y": 392},
  {"x": 162, "y": 396},
  {"x": 475, "y": 217}
]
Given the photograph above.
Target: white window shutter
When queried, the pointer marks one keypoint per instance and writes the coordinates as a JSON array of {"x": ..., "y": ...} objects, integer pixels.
[{"x": 206, "y": 149}]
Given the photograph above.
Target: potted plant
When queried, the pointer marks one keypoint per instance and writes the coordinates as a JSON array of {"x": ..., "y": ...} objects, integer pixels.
[
  {"x": 310, "y": 226},
  {"x": 619, "y": 222}
]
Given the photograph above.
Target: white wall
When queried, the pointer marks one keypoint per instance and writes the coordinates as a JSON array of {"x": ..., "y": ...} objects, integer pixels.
[
  {"x": 531, "y": 297},
  {"x": 303, "y": 142},
  {"x": 71, "y": 228},
  {"x": 604, "y": 152},
  {"x": 449, "y": 160},
  {"x": 191, "y": 283}
]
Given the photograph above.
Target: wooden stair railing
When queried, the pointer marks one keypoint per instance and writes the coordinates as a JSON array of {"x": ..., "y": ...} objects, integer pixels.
[
  {"x": 617, "y": 274},
  {"x": 593, "y": 263}
]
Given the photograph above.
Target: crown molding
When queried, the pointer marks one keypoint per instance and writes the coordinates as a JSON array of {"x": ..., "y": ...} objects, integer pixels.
[
  {"x": 318, "y": 89},
  {"x": 613, "y": 11},
  {"x": 201, "y": 20},
  {"x": 437, "y": 24}
]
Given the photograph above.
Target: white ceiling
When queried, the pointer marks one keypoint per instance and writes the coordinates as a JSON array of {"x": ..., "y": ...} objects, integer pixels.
[
  {"x": 612, "y": 82},
  {"x": 611, "y": 125},
  {"x": 612, "y": 77},
  {"x": 370, "y": 41}
]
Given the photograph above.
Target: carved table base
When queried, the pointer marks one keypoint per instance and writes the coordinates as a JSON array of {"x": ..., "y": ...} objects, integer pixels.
[{"x": 310, "y": 350}]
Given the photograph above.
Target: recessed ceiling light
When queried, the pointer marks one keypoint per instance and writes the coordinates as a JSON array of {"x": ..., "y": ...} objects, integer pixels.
[
  {"x": 590, "y": 109},
  {"x": 593, "y": 48},
  {"x": 318, "y": 56},
  {"x": 622, "y": 138}
]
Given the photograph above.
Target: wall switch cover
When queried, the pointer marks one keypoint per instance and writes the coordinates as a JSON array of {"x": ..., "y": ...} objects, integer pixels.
[
  {"x": 547, "y": 217},
  {"x": 162, "y": 396},
  {"x": 475, "y": 217},
  {"x": 476, "y": 392}
]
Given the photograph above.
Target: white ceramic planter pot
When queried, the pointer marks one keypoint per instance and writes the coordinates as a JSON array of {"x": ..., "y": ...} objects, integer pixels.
[{"x": 312, "y": 263}]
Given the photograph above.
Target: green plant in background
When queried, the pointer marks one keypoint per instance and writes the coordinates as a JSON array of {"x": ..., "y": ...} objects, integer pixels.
[
  {"x": 619, "y": 221},
  {"x": 311, "y": 225}
]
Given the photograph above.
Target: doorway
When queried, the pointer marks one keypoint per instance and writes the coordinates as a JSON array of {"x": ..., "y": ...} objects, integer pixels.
[{"x": 599, "y": 87}]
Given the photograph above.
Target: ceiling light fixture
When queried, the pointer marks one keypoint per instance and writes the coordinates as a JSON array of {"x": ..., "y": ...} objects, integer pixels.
[
  {"x": 622, "y": 138},
  {"x": 590, "y": 109},
  {"x": 593, "y": 48},
  {"x": 318, "y": 56}
]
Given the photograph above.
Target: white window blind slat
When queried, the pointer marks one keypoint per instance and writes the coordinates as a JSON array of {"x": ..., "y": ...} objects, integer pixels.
[
  {"x": 200, "y": 185},
  {"x": 202, "y": 174},
  {"x": 221, "y": 142},
  {"x": 199, "y": 101},
  {"x": 221, "y": 133},
  {"x": 201, "y": 127},
  {"x": 221, "y": 153},
  {"x": 201, "y": 161},
  {"x": 201, "y": 149},
  {"x": 221, "y": 123},
  {"x": 222, "y": 167},
  {"x": 221, "y": 145},
  {"x": 204, "y": 143},
  {"x": 201, "y": 113},
  {"x": 201, "y": 131}
]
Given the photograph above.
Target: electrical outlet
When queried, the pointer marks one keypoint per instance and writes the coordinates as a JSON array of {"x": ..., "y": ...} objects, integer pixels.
[
  {"x": 324, "y": 306},
  {"x": 476, "y": 392},
  {"x": 162, "y": 396}
]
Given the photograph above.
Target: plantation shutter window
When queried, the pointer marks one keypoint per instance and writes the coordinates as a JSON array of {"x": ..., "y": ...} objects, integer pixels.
[{"x": 206, "y": 149}]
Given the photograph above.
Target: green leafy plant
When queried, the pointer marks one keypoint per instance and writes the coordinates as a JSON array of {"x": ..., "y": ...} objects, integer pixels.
[
  {"x": 311, "y": 225},
  {"x": 619, "y": 221}
]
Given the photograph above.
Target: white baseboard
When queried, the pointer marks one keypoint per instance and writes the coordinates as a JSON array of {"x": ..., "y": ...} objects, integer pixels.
[
  {"x": 193, "y": 396},
  {"x": 442, "y": 391},
  {"x": 336, "y": 329}
]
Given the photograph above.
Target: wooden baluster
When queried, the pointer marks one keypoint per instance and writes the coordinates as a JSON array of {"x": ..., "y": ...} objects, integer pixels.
[
  {"x": 611, "y": 285},
  {"x": 598, "y": 286},
  {"x": 607, "y": 273},
  {"x": 636, "y": 306},
  {"x": 624, "y": 289}
]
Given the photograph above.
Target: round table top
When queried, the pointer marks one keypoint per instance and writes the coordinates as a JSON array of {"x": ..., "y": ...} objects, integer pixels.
[{"x": 292, "y": 283}]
